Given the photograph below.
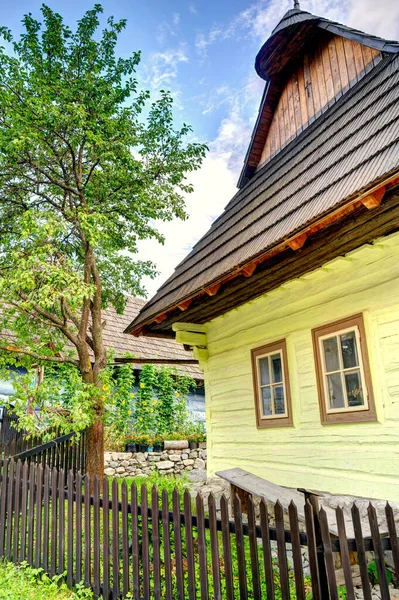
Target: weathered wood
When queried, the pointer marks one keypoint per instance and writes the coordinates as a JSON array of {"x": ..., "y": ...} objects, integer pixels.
[
  {"x": 228, "y": 571},
  {"x": 361, "y": 554},
  {"x": 346, "y": 565},
  {"x": 135, "y": 542},
  {"x": 189, "y": 546},
  {"x": 79, "y": 530},
  {"x": 17, "y": 507},
  {"x": 296, "y": 552},
  {"x": 281, "y": 551},
  {"x": 203, "y": 579},
  {"x": 253, "y": 549},
  {"x": 87, "y": 533},
  {"x": 156, "y": 544},
  {"x": 61, "y": 524},
  {"x": 267, "y": 555},
  {"x": 96, "y": 535},
  {"x": 70, "y": 505},
  {"x": 54, "y": 521},
  {"x": 31, "y": 511},
  {"x": 379, "y": 552},
  {"x": 166, "y": 545},
  {"x": 115, "y": 540},
  {"x": 24, "y": 505},
  {"x": 5, "y": 491},
  {"x": 329, "y": 557},
  {"x": 393, "y": 537},
  {"x": 217, "y": 592},
  {"x": 242, "y": 571},
  {"x": 125, "y": 540},
  {"x": 312, "y": 550},
  {"x": 178, "y": 544},
  {"x": 38, "y": 531},
  {"x": 106, "y": 578}
]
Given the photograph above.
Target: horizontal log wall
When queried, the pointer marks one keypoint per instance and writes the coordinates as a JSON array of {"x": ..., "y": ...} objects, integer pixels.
[
  {"x": 322, "y": 76},
  {"x": 359, "y": 458}
]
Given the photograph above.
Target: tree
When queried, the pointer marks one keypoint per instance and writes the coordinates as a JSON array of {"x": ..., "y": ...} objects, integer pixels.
[{"x": 84, "y": 175}]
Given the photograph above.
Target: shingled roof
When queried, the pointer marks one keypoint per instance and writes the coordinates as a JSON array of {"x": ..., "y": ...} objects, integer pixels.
[
  {"x": 345, "y": 153},
  {"x": 145, "y": 349}
]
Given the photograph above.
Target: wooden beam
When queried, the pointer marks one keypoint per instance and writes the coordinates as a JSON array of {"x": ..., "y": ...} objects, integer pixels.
[
  {"x": 185, "y": 304},
  {"x": 213, "y": 289},
  {"x": 201, "y": 354},
  {"x": 191, "y": 338},
  {"x": 250, "y": 268},
  {"x": 374, "y": 199},
  {"x": 297, "y": 242},
  {"x": 161, "y": 317},
  {"x": 195, "y": 327}
]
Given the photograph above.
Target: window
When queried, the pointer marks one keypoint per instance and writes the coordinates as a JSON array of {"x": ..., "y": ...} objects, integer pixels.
[
  {"x": 271, "y": 385},
  {"x": 343, "y": 372}
]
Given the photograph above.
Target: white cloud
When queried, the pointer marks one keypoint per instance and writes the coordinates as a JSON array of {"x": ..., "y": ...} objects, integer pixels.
[
  {"x": 163, "y": 66},
  {"x": 168, "y": 29}
]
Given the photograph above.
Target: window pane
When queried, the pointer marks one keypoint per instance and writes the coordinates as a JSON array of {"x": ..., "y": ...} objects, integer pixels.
[
  {"x": 349, "y": 350},
  {"x": 264, "y": 371},
  {"x": 279, "y": 407},
  {"x": 277, "y": 368},
  {"x": 330, "y": 347},
  {"x": 266, "y": 401},
  {"x": 354, "y": 389},
  {"x": 335, "y": 392}
]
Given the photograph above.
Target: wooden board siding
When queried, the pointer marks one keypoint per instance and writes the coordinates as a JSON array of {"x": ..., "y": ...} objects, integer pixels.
[
  {"x": 322, "y": 76},
  {"x": 355, "y": 458}
]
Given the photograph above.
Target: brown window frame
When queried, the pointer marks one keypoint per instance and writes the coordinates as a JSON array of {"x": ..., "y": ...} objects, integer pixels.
[
  {"x": 263, "y": 422},
  {"x": 356, "y": 415}
]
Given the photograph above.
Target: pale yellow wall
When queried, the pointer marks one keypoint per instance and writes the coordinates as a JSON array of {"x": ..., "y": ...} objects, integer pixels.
[{"x": 361, "y": 458}]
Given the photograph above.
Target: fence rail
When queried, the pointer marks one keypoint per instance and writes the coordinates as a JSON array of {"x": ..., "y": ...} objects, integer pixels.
[{"x": 120, "y": 539}]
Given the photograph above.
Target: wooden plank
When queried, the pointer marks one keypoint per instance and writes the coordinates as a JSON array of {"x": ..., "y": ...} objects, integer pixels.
[
  {"x": 166, "y": 546},
  {"x": 61, "y": 518},
  {"x": 350, "y": 60},
  {"x": 302, "y": 95},
  {"x": 291, "y": 109},
  {"x": 335, "y": 72},
  {"x": 70, "y": 505},
  {"x": 296, "y": 552},
  {"x": 367, "y": 57},
  {"x": 156, "y": 549},
  {"x": 267, "y": 555},
  {"x": 189, "y": 547},
  {"x": 38, "y": 532},
  {"x": 361, "y": 554},
  {"x": 328, "y": 76},
  {"x": 320, "y": 78},
  {"x": 242, "y": 571},
  {"x": 393, "y": 537},
  {"x": 54, "y": 515},
  {"x": 31, "y": 512},
  {"x": 145, "y": 541},
  {"x": 17, "y": 508},
  {"x": 286, "y": 115},
  {"x": 96, "y": 535},
  {"x": 87, "y": 538},
  {"x": 24, "y": 505},
  {"x": 281, "y": 551},
  {"x": 358, "y": 55},
  {"x": 106, "y": 582},
  {"x": 297, "y": 103},
  {"x": 312, "y": 550},
  {"x": 125, "y": 540},
  {"x": 79, "y": 530},
  {"x": 178, "y": 544},
  {"x": 253, "y": 550},
  {"x": 379, "y": 552},
  {"x": 228, "y": 570},
  {"x": 329, "y": 557},
  {"x": 217, "y": 592},
  {"x": 5, "y": 490},
  {"x": 135, "y": 542},
  {"x": 343, "y": 69},
  {"x": 203, "y": 579},
  {"x": 280, "y": 119},
  {"x": 346, "y": 564},
  {"x": 315, "y": 91},
  {"x": 115, "y": 540}
]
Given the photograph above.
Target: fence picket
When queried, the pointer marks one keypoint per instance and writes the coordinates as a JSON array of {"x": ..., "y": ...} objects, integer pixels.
[
  {"x": 242, "y": 570},
  {"x": 5, "y": 490},
  {"x": 166, "y": 545},
  {"x": 31, "y": 512},
  {"x": 87, "y": 539},
  {"x": 361, "y": 554},
  {"x": 202, "y": 547},
  {"x": 61, "y": 527},
  {"x": 281, "y": 551},
  {"x": 54, "y": 516},
  {"x": 379, "y": 552},
  {"x": 70, "y": 504},
  {"x": 24, "y": 506},
  {"x": 79, "y": 527},
  {"x": 38, "y": 532},
  {"x": 96, "y": 534},
  {"x": 125, "y": 539},
  {"x": 214, "y": 547},
  {"x": 228, "y": 571},
  {"x": 17, "y": 505},
  {"x": 296, "y": 552},
  {"x": 329, "y": 558},
  {"x": 105, "y": 537},
  {"x": 253, "y": 548},
  {"x": 135, "y": 543},
  {"x": 312, "y": 549},
  {"x": 156, "y": 543},
  {"x": 189, "y": 547},
  {"x": 145, "y": 542},
  {"x": 393, "y": 537},
  {"x": 115, "y": 540},
  {"x": 178, "y": 544},
  {"x": 346, "y": 564},
  {"x": 267, "y": 555}
]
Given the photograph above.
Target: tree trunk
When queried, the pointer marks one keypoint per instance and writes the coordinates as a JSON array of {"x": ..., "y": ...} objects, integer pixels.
[{"x": 95, "y": 449}]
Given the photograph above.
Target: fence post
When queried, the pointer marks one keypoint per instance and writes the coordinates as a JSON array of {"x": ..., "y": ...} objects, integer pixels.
[{"x": 319, "y": 544}]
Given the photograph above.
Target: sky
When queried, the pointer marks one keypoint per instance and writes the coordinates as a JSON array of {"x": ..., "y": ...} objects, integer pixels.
[{"x": 203, "y": 51}]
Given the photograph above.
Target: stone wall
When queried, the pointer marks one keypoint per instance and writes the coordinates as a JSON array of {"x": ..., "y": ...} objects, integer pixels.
[{"x": 175, "y": 459}]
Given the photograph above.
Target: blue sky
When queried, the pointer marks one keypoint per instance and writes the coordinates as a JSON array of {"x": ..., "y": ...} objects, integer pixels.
[{"x": 204, "y": 51}]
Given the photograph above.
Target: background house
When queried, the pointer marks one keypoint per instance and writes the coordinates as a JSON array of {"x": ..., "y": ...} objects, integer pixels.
[{"x": 290, "y": 300}]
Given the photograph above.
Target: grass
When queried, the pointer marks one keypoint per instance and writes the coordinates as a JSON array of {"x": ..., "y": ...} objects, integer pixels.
[{"x": 25, "y": 583}]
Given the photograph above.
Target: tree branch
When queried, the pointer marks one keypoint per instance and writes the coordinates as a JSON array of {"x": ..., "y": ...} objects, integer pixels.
[{"x": 54, "y": 359}]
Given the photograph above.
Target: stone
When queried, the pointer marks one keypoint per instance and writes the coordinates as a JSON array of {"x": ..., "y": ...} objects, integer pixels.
[
  {"x": 203, "y": 454},
  {"x": 120, "y": 470},
  {"x": 164, "y": 465},
  {"x": 107, "y": 456},
  {"x": 154, "y": 458},
  {"x": 184, "y": 456},
  {"x": 114, "y": 463},
  {"x": 140, "y": 457},
  {"x": 199, "y": 464},
  {"x": 109, "y": 472},
  {"x": 175, "y": 444},
  {"x": 125, "y": 463},
  {"x": 202, "y": 445},
  {"x": 188, "y": 462}
]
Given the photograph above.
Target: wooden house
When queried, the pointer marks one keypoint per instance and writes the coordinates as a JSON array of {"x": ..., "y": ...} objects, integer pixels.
[{"x": 291, "y": 299}]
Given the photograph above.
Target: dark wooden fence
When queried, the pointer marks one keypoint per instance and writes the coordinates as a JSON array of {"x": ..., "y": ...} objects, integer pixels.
[{"x": 121, "y": 539}]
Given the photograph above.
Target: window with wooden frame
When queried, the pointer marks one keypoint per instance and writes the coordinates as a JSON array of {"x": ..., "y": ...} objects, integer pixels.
[
  {"x": 343, "y": 372},
  {"x": 271, "y": 385}
]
